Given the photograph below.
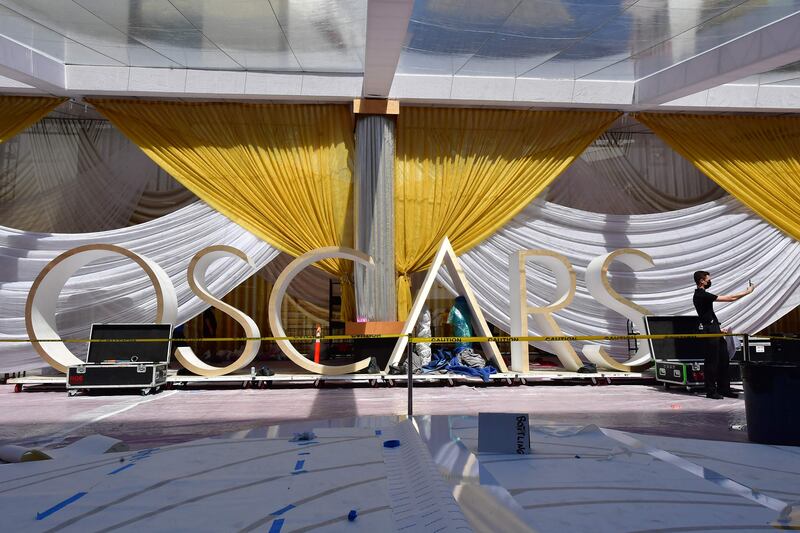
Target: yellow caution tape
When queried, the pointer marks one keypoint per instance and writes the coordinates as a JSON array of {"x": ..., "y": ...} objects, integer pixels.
[
  {"x": 364, "y": 336},
  {"x": 432, "y": 340},
  {"x": 567, "y": 338},
  {"x": 207, "y": 339}
]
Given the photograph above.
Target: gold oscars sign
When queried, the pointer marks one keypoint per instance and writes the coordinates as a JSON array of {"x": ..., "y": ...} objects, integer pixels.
[
  {"x": 40, "y": 308},
  {"x": 598, "y": 285},
  {"x": 197, "y": 281},
  {"x": 276, "y": 299},
  {"x": 41, "y": 305}
]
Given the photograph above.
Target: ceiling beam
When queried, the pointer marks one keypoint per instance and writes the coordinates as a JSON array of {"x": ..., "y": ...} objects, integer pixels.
[
  {"x": 29, "y": 67},
  {"x": 766, "y": 48},
  {"x": 387, "y": 24},
  {"x": 85, "y": 80}
]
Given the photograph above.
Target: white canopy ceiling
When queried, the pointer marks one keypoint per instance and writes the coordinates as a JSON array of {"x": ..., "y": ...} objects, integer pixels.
[{"x": 624, "y": 54}]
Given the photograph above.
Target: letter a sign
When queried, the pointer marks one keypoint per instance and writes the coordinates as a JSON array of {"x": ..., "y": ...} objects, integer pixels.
[{"x": 447, "y": 256}]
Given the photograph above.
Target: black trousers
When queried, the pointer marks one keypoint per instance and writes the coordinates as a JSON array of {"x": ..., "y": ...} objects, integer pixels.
[{"x": 716, "y": 363}]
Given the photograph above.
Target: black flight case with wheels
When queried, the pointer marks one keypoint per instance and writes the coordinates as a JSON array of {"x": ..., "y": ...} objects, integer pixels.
[
  {"x": 127, "y": 356},
  {"x": 679, "y": 361}
]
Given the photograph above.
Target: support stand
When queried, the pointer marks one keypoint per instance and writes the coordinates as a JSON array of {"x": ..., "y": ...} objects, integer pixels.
[{"x": 410, "y": 379}]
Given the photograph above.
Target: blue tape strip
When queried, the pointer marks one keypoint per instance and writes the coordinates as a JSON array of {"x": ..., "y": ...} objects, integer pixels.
[
  {"x": 276, "y": 526},
  {"x": 59, "y": 506},
  {"x": 378, "y": 432},
  {"x": 145, "y": 452},
  {"x": 281, "y": 511},
  {"x": 120, "y": 469},
  {"x": 299, "y": 465}
]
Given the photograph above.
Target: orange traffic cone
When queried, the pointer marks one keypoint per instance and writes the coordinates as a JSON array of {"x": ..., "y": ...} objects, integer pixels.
[{"x": 318, "y": 334}]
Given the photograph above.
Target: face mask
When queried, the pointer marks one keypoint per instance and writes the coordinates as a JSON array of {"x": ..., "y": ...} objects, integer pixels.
[{"x": 708, "y": 284}]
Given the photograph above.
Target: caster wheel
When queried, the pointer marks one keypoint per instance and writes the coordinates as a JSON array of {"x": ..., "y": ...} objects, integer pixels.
[
  {"x": 373, "y": 383},
  {"x": 18, "y": 387},
  {"x": 72, "y": 392},
  {"x": 145, "y": 392}
]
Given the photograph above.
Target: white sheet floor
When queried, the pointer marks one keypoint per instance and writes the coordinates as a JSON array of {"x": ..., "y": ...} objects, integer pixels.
[{"x": 578, "y": 478}]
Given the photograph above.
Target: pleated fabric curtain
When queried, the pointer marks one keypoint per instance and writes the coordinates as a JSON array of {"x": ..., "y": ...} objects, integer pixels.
[
  {"x": 252, "y": 296},
  {"x": 464, "y": 173},
  {"x": 19, "y": 112},
  {"x": 71, "y": 176},
  {"x": 625, "y": 174},
  {"x": 755, "y": 158},
  {"x": 711, "y": 236},
  {"x": 284, "y": 172},
  {"x": 154, "y": 204}
]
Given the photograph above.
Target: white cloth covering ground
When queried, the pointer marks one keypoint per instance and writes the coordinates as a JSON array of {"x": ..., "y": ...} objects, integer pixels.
[
  {"x": 117, "y": 290},
  {"x": 722, "y": 237}
]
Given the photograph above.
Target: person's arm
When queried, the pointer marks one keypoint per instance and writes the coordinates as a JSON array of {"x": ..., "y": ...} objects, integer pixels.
[{"x": 735, "y": 296}]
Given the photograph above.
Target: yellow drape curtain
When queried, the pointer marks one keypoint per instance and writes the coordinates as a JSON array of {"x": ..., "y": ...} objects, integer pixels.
[
  {"x": 19, "y": 112},
  {"x": 284, "y": 172},
  {"x": 755, "y": 158},
  {"x": 252, "y": 297},
  {"x": 464, "y": 173}
]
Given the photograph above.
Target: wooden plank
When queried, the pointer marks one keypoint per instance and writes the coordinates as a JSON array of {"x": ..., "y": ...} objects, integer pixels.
[{"x": 376, "y": 106}]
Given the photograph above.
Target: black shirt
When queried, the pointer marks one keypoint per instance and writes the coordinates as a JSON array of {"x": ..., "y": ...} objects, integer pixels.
[{"x": 704, "y": 304}]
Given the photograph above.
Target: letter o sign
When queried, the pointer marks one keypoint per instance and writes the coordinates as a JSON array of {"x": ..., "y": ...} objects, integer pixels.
[{"x": 40, "y": 308}]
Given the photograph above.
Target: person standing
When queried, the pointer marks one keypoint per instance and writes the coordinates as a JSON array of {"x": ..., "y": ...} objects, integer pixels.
[{"x": 717, "y": 379}]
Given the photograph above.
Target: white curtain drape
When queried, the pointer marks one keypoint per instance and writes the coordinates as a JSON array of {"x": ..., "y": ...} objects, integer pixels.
[
  {"x": 154, "y": 204},
  {"x": 722, "y": 237},
  {"x": 78, "y": 176},
  {"x": 312, "y": 285},
  {"x": 627, "y": 173},
  {"x": 117, "y": 290}
]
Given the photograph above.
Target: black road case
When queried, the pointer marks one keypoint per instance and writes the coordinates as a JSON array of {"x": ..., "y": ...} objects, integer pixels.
[
  {"x": 687, "y": 374},
  {"x": 148, "y": 377},
  {"x": 680, "y": 361},
  {"x": 690, "y": 374},
  {"x": 133, "y": 356}
]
